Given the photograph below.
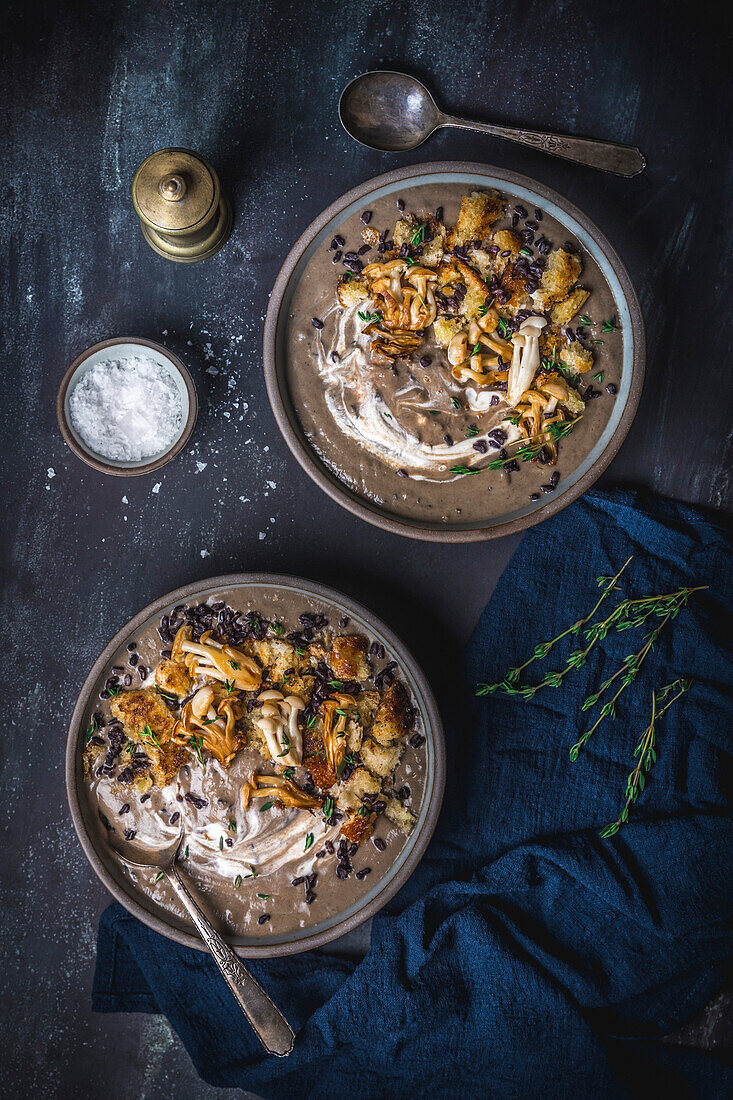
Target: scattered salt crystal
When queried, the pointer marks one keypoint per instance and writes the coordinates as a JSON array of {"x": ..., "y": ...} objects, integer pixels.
[
  {"x": 156, "y": 487},
  {"x": 231, "y": 383},
  {"x": 125, "y": 500},
  {"x": 212, "y": 370},
  {"x": 204, "y": 553},
  {"x": 262, "y": 535},
  {"x": 127, "y": 409},
  {"x": 201, "y": 466},
  {"x": 50, "y": 472},
  {"x": 244, "y": 500},
  {"x": 271, "y": 484}
]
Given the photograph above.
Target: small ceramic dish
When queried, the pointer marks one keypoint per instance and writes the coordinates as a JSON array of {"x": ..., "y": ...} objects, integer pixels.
[{"x": 129, "y": 346}]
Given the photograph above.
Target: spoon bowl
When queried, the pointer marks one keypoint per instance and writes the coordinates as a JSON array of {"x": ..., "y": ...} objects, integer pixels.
[
  {"x": 265, "y": 1018},
  {"x": 140, "y": 855},
  {"x": 390, "y": 111},
  {"x": 394, "y": 112}
]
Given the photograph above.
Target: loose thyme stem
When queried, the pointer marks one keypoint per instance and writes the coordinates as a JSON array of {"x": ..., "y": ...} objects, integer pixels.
[
  {"x": 631, "y": 670},
  {"x": 647, "y": 753},
  {"x": 544, "y": 648}
]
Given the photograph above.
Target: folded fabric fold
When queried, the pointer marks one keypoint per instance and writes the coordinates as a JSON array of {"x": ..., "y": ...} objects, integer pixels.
[{"x": 526, "y": 956}]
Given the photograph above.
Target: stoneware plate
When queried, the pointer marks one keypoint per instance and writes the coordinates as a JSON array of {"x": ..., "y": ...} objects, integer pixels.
[
  {"x": 265, "y": 590},
  {"x": 608, "y": 271},
  {"x": 121, "y": 347}
]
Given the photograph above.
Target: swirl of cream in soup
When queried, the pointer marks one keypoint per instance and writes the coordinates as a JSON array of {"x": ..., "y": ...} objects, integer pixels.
[{"x": 375, "y": 414}]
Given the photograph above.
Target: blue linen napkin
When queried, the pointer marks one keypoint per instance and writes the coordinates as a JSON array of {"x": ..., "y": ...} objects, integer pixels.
[{"x": 526, "y": 956}]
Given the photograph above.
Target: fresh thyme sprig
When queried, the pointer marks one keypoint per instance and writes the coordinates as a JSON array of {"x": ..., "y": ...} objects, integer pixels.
[
  {"x": 628, "y": 614},
  {"x": 531, "y": 447},
  {"x": 528, "y": 449},
  {"x": 646, "y": 752},
  {"x": 540, "y": 651}
]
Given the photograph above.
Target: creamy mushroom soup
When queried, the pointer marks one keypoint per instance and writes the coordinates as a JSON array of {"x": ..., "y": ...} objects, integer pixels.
[
  {"x": 456, "y": 363},
  {"x": 284, "y": 748}
]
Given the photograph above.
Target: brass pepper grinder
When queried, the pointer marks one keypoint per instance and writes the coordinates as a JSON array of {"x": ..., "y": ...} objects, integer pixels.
[{"x": 183, "y": 214}]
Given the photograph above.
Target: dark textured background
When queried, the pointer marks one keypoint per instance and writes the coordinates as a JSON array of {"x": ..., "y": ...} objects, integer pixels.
[{"x": 88, "y": 90}]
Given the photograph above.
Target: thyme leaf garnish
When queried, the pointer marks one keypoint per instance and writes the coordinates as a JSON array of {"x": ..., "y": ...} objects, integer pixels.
[{"x": 646, "y": 752}]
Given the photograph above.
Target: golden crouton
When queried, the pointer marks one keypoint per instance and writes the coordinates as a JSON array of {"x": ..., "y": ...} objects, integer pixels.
[
  {"x": 370, "y": 237},
  {"x": 575, "y": 403},
  {"x": 506, "y": 241},
  {"x": 455, "y": 271},
  {"x": 515, "y": 285},
  {"x": 354, "y": 735},
  {"x": 359, "y": 827},
  {"x": 479, "y": 212},
  {"x": 366, "y": 704},
  {"x": 137, "y": 710},
  {"x": 353, "y": 291},
  {"x": 360, "y": 782},
  {"x": 405, "y": 229},
  {"x": 92, "y": 756},
  {"x": 398, "y": 814},
  {"x": 445, "y": 328},
  {"x": 432, "y": 251},
  {"x": 381, "y": 759},
  {"x": 166, "y": 762},
  {"x": 394, "y": 715},
  {"x": 570, "y": 354},
  {"x": 576, "y": 358},
  {"x": 173, "y": 677},
  {"x": 561, "y": 272},
  {"x": 348, "y": 658},
  {"x": 277, "y": 656},
  {"x": 563, "y": 311}
]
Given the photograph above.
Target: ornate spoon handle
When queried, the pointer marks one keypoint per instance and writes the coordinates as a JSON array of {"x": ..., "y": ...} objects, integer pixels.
[
  {"x": 624, "y": 160},
  {"x": 267, "y": 1021}
]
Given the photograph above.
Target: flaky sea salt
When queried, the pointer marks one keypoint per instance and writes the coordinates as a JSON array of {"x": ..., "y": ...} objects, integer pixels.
[{"x": 127, "y": 409}]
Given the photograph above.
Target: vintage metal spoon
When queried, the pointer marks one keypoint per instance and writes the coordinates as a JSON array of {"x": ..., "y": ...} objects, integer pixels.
[
  {"x": 267, "y": 1021},
  {"x": 395, "y": 112}
]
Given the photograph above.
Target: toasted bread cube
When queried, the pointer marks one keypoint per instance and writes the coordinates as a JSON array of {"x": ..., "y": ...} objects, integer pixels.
[
  {"x": 570, "y": 354},
  {"x": 563, "y": 311},
  {"x": 506, "y": 241},
  {"x": 358, "y": 828},
  {"x": 479, "y": 212},
  {"x": 138, "y": 709},
  {"x": 445, "y": 328},
  {"x": 432, "y": 251},
  {"x": 360, "y": 782},
  {"x": 173, "y": 677},
  {"x": 166, "y": 762},
  {"x": 348, "y": 657},
  {"x": 576, "y": 358},
  {"x": 381, "y": 759},
  {"x": 92, "y": 757},
  {"x": 394, "y": 715},
  {"x": 277, "y": 656},
  {"x": 575, "y": 403},
  {"x": 398, "y": 814},
  {"x": 561, "y": 272},
  {"x": 473, "y": 302},
  {"x": 370, "y": 237},
  {"x": 366, "y": 704},
  {"x": 405, "y": 229},
  {"x": 354, "y": 735},
  {"x": 353, "y": 291},
  {"x": 142, "y": 782}
]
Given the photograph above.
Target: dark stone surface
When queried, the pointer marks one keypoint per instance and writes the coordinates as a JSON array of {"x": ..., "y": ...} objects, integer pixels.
[{"x": 87, "y": 90}]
